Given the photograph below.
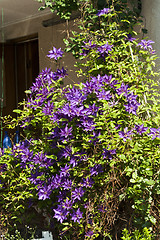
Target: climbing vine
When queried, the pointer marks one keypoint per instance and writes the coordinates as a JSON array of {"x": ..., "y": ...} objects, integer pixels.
[{"x": 89, "y": 158}]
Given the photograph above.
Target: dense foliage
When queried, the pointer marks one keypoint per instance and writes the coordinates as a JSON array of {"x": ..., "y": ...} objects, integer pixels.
[{"x": 89, "y": 158}]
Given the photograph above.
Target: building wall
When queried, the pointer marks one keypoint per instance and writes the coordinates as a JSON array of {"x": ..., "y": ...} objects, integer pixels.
[
  {"x": 47, "y": 38},
  {"x": 53, "y": 36},
  {"x": 151, "y": 18}
]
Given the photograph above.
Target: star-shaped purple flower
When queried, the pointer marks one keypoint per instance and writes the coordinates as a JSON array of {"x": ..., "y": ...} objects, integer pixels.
[
  {"x": 146, "y": 45},
  {"x": 132, "y": 107},
  {"x": 104, "y": 95},
  {"x": 77, "y": 193},
  {"x": 104, "y": 49},
  {"x": 60, "y": 214},
  {"x": 108, "y": 153},
  {"x": 87, "y": 47},
  {"x": 122, "y": 89},
  {"x": 125, "y": 134},
  {"x": 67, "y": 204},
  {"x": 104, "y": 11},
  {"x": 55, "y": 53},
  {"x": 87, "y": 182},
  {"x": 96, "y": 169},
  {"x": 154, "y": 133},
  {"x": 64, "y": 172},
  {"x": 140, "y": 129},
  {"x": 44, "y": 192},
  {"x": 66, "y": 132},
  {"x": 76, "y": 215}
]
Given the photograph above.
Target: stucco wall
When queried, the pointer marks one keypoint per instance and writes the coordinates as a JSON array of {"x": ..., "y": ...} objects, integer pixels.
[
  {"x": 47, "y": 38},
  {"x": 151, "y": 17},
  {"x": 53, "y": 35}
]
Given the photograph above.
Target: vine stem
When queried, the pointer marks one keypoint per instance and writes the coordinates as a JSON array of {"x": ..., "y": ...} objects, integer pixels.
[
  {"x": 67, "y": 28},
  {"x": 144, "y": 95}
]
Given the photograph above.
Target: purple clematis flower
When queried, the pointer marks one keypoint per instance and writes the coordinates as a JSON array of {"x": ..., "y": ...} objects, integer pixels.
[
  {"x": 56, "y": 182},
  {"x": 104, "y": 11},
  {"x": 87, "y": 47},
  {"x": 104, "y": 49},
  {"x": 67, "y": 184},
  {"x": 44, "y": 192},
  {"x": 60, "y": 214},
  {"x": 87, "y": 182},
  {"x": 78, "y": 111},
  {"x": 125, "y": 134},
  {"x": 64, "y": 172},
  {"x": 55, "y": 53},
  {"x": 96, "y": 169},
  {"x": 108, "y": 153},
  {"x": 107, "y": 79},
  {"x": 60, "y": 73},
  {"x": 132, "y": 107},
  {"x": 154, "y": 133},
  {"x": 146, "y": 45},
  {"x": 48, "y": 108},
  {"x": 89, "y": 87},
  {"x": 89, "y": 233},
  {"x": 42, "y": 160},
  {"x": 131, "y": 97},
  {"x": 77, "y": 193},
  {"x": 68, "y": 110},
  {"x": 140, "y": 129},
  {"x": 67, "y": 204},
  {"x": 130, "y": 38},
  {"x": 91, "y": 110},
  {"x": 122, "y": 89},
  {"x": 75, "y": 96},
  {"x": 104, "y": 95},
  {"x": 76, "y": 215},
  {"x": 66, "y": 132},
  {"x": 97, "y": 82},
  {"x": 67, "y": 152}
]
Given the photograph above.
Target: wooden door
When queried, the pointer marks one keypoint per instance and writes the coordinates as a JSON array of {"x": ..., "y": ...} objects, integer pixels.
[
  {"x": 19, "y": 66},
  {"x": 27, "y": 66},
  {"x": 8, "y": 89}
]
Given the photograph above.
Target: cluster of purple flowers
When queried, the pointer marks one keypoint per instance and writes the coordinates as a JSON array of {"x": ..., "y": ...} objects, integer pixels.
[
  {"x": 103, "y": 50},
  {"x": 41, "y": 90},
  {"x": 72, "y": 121},
  {"x": 75, "y": 116},
  {"x": 132, "y": 104},
  {"x": 137, "y": 129}
]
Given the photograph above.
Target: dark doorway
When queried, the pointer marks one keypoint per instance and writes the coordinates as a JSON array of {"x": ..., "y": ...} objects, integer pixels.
[
  {"x": 26, "y": 66},
  {"x": 21, "y": 67}
]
